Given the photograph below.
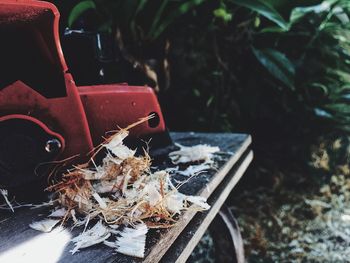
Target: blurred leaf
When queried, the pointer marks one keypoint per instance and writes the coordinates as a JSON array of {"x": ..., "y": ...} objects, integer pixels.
[
  {"x": 210, "y": 100},
  {"x": 79, "y": 9},
  {"x": 320, "y": 87},
  {"x": 263, "y": 9},
  {"x": 170, "y": 18},
  {"x": 257, "y": 22},
  {"x": 277, "y": 64},
  {"x": 272, "y": 29},
  {"x": 196, "y": 92},
  {"x": 322, "y": 113},
  {"x": 223, "y": 14},
  {"x": 338, "y": 108},
  {"x": 300, "y": 12},
  {"x": 106, "y": 27},
  {"x": 158, "y": 16},
  {"x": 140, "y": 7}
]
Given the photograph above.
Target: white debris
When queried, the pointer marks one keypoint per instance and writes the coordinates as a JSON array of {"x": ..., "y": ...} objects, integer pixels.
[
  {"x": 123, "y": 152},
  {"x": 175, "y": 202},
  {"x": 117, "y": 147},
  {"x": 132, "y": 241},
  {"x": 117, "y": 140},
  {"x": 153, "y": 194},
  {"x": 127, "y": 177},
  {"x": 109, "y": 244},
  {"x": 5, "y": 194},
  {"x": 44, "y": 204},
  {"x": 201, "y": 152},
  {"x": 345, "y": 217},
  {"x": 317, "y": 203},
  {"x": 97, "y": 234},
  {"x": 104, "y": 186},
  {"x": 72, "y": 213},
  {"x": 99, "y": 200},
  {"x": 61, "y": 212},
  {"x": 199, "y": 201},
  {"x": 172, "y": 169},
  {"x": 132, "y": 193},
  {"x": 195, "y": 169},
  {"x": 45, "y": 225}
]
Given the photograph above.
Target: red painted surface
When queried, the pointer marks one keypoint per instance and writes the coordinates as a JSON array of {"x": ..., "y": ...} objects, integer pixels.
[
  {"x": 110, "y": 106},
  {"x": 65, "y": 116},
  {"x": 84, "y": 114}
]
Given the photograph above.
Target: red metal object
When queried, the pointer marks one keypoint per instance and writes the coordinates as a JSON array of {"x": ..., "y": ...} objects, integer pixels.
[
  {"x": 37, "y": 86},
  {"x": 107, "y": 106}
]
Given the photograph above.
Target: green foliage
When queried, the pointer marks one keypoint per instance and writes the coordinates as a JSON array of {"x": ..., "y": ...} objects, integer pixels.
[
  {"x": 277, "y": 69},
  {"x": 79, "y": 9},
  {"x": 263, "y": 8},
  {"x": 286, "y": 82},
  {"x": 143, "y": 19},
  {"x": 277, "y": 64},
  {"x": 222, "y": 13}
]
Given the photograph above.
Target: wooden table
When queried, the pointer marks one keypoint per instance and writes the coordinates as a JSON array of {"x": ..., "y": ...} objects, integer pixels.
[{"x": 19, "y": 243}]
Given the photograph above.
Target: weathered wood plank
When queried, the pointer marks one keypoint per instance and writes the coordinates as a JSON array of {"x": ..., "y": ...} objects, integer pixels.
[
  {"x": 210, "y": 184},
  {"x": 191, "y": 235},
  {"x": 16, "y": 237}
]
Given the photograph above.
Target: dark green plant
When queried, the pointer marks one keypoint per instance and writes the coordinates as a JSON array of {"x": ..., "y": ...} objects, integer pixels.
[
  {"x": 276, "y": 69},
  {"x": 139, "y": 28},
  {"x": 317, "y": 68},
  {"x": 284, "y": 80}
]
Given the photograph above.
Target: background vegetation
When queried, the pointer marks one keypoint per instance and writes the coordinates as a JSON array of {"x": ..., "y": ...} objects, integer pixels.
[{"x": 276, "y": 69}]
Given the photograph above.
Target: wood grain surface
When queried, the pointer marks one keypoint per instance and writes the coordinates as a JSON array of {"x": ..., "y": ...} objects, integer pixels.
[{"x": 19, "y": 243}]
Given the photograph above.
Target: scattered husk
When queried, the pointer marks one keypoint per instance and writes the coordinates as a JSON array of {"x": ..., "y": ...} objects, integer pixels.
[
  {"x": 195, "y": 169},
  {"x": 197, "y": 153},
  {"x": 97, "y": 234},
  {"x": 123, "y": 190},
  {"x": 4, "y": 193},
  {"x": 131, "y": 241},
  {"x": 61, "y": 212},
  {"x": 45, "y": 225}
]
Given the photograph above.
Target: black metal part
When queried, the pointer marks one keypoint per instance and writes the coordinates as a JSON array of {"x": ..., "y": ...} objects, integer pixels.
[
  {"x": 227, "y": 237},
  {"x": 90, "y": 56},
  {"x": 222, "y": 242},
  {"x": 53, "y": 145},
  {"x": 23, "y": 147}
]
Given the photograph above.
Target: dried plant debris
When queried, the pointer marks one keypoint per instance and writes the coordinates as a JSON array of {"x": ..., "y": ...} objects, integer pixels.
[
  {"x": 45, "y": 225},
  {"x": 195, "y": 169},
  {"x": 131, "y": 241},
  {"x": 122, "y": 190},
  {"x": 196, "y": 159},
  {"x": 97, "y": 234},
  {"x": 4, "y": 194},
  {"x": 59, "y": 213},
  {"x": 197, "y": 153}
]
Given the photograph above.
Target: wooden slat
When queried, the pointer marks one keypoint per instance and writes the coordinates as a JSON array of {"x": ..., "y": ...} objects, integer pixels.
[
  {"x": 191, "y": 235},
  {"x": 170, "y": 236}
]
